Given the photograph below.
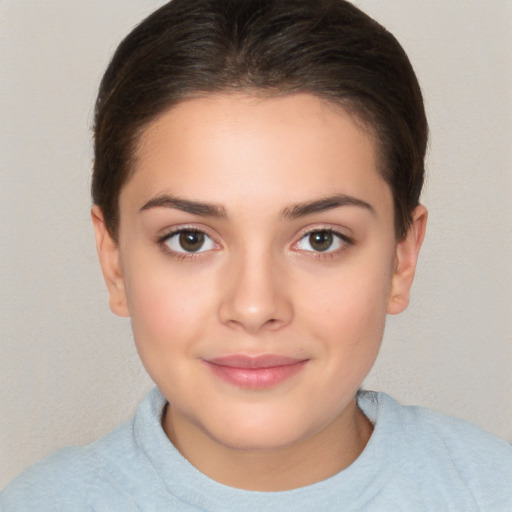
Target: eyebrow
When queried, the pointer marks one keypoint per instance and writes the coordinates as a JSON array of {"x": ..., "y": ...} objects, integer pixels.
[
  {"x": 291, "y": 212},
  {"x": 324, "y": 204},
  {"x": 185, "y": 205}
]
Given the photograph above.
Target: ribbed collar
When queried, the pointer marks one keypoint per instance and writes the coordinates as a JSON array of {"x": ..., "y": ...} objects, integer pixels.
[{"x": 348, "y": 490}]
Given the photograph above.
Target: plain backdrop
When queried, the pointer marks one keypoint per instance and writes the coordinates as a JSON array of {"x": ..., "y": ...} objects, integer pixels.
[{"x": 68, "y": 369}]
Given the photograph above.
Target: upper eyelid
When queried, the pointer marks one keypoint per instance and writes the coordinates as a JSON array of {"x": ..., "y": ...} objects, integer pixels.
[
  {"x": 325, "y": 227},
  {"x": 165, "y": 233}
]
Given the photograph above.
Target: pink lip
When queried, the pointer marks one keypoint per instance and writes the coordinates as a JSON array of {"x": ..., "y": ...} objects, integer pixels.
[{"x": 255, "y": 372}]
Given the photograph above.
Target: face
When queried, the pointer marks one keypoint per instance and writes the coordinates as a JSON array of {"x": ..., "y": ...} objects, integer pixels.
[{"x": 257, "y": 260}]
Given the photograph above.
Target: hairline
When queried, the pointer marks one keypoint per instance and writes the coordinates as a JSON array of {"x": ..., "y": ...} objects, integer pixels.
[{"x": 349, "y": 106}]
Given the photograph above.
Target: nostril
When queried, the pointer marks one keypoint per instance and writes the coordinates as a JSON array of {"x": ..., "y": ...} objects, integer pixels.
[{"x": 272, "y": 323}]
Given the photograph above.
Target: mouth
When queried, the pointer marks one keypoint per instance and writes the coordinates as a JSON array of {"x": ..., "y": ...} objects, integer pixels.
[{"x": 255, "y": 372}]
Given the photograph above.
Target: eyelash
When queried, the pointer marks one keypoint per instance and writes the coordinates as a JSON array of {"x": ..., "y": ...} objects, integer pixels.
[
  {"x": 162, "y": 242},
  {"x": 328, "y": 254}
]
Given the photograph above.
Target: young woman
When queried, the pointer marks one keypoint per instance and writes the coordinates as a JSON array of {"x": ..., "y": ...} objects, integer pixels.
[{"x": 258, "y": 168}]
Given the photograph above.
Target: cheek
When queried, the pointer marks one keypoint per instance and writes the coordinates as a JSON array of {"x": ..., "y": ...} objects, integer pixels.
[
  {"x": 348, "y": 309},
  {"x": 167, "y": 308},
  {"x": 350, "y": 295}
]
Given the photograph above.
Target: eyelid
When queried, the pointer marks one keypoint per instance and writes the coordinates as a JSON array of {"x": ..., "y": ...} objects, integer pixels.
[
  {"x": 336, "y": 231},
  {"x": 342, "y": 232},
  {"x": 165, "y": 234},
  {"x": 168, "y": 231}
]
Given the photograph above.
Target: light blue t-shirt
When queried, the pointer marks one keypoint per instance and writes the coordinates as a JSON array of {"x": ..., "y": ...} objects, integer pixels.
[{"x": 416, "y": 460}]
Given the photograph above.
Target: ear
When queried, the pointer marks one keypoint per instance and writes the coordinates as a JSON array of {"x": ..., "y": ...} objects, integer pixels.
[
  {"x": 108, "y": 253},
  {"x": 406, "y": 257}
]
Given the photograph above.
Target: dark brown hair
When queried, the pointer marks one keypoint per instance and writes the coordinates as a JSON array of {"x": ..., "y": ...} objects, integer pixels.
[{"x": 328, "y": 48}]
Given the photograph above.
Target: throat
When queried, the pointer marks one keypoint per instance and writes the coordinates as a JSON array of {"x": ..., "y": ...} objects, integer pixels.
[{"x": 318, "y": 457}]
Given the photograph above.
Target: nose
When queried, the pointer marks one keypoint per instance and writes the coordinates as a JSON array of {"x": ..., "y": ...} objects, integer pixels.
[{"x": 254, "y": 295}]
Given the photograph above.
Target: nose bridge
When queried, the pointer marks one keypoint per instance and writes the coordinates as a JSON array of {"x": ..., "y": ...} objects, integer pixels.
[{"x": 254, "y": 297}]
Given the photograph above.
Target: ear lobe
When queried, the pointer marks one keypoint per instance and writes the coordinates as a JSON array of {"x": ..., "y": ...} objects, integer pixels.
[
  {"x": 406, "y": 258},
  {"x": 108, "y": 253}
]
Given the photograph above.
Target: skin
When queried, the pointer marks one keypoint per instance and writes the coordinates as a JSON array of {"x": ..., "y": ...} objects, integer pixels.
[{"x": 258, "y": 285}]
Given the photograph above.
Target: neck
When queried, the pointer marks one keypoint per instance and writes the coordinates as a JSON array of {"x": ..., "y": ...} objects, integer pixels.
[{"x": 308, "y": 461}]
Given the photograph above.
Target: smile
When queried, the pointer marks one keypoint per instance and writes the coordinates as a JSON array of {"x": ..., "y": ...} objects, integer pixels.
[{"x": 255, "y": 372}]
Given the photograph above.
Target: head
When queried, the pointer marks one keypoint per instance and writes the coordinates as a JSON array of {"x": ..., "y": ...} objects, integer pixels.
[
  {"x": 329, "y": 48},
  {"x": 256, "y": 184}
]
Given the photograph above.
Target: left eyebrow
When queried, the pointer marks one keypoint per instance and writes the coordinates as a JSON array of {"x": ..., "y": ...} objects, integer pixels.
[{"x": 324, "y": 204}]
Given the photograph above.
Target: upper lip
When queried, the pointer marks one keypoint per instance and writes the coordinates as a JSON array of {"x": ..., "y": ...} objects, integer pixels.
[{"x": 256, "y": 361}]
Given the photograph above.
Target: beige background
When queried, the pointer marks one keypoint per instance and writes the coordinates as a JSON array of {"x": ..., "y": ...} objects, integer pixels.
[{"x": 68, "y": 369}]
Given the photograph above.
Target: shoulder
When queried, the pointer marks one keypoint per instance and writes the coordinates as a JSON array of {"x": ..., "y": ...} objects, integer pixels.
[
  {"x": 467, "y": 444},
  {"x": 70, "y": 476},
  {"x": 48, "y": 482},
  {"x": 448, "y": 451},
  {"x": 82, "y": 478}
]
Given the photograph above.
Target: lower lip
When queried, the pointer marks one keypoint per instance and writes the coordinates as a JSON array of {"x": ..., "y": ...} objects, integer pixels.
[{"x": 256, "y": 378}]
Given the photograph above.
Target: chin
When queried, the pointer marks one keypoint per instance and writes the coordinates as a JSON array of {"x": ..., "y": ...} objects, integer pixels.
[
  {"x": 264, "y": 440},
  {"x": 261, "y": 431}
]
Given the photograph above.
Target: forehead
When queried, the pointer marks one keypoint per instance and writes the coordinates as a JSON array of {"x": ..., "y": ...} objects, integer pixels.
[{"x": 229, "y": 146}]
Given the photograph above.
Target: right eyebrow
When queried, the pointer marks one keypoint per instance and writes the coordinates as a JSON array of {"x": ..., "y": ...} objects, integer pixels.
[{"x": 185, "y": 205}]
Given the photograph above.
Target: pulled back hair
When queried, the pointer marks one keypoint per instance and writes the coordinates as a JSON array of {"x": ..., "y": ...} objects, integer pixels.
[{"x": 192, "y": 48}]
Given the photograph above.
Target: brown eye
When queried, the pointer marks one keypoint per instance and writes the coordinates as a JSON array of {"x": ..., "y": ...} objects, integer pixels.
[
  {"x": 188, "y": 241},
  {"x": 321, "y": 240},
  {"x": 191, "y": 241}
]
